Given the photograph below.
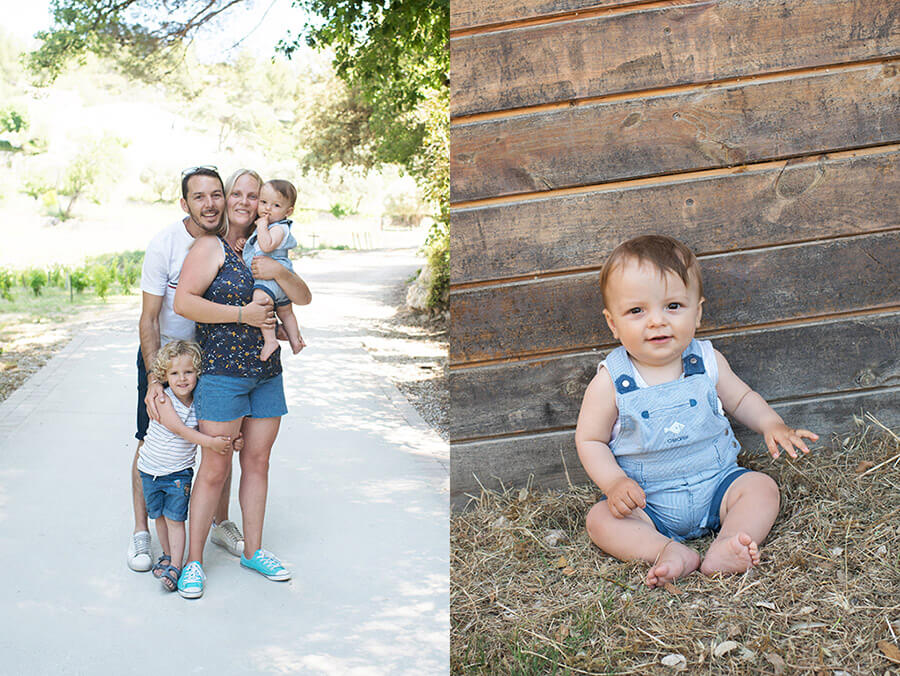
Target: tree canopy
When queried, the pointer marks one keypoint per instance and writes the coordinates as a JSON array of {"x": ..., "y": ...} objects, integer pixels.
[{"x": 392, "y": 54}]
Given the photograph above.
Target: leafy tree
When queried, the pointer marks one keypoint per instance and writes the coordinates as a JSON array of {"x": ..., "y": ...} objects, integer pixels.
[
  {"x": 393, "y": 56},
  {"x": 93, "y": 166}
]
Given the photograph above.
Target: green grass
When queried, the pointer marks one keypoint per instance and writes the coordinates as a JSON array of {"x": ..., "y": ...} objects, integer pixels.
[{"x": 53, "y": 305}]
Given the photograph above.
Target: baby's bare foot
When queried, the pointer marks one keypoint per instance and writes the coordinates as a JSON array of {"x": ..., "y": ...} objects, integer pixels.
[
  {"x": 732, "y": 554},
  {"x": 267, "y": 350},
  {"x": 675, "y": 561}
]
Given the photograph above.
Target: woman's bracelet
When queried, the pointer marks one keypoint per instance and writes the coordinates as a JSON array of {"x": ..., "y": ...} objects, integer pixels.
[{"x": 240, "y": 313}]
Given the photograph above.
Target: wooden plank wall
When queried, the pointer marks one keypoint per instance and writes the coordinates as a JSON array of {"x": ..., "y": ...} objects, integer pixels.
[{"x": 763, "y": 133}]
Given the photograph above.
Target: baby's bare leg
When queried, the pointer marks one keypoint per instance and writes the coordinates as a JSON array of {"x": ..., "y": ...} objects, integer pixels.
[
  {"x": 270, "y": 343},
  {"x": 634, "y": 537},
  {"x": 291, "y": 328},
  {"x": 748, "y": 510}
]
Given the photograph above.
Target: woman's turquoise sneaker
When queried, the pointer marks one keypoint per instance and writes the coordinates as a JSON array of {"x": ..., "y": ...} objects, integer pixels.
[
  {"x": 190, "y": 584},
  {"x": 266, "y": 563}
]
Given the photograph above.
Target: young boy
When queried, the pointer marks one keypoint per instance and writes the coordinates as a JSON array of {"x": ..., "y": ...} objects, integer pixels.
[
  {"x": 652, "y": 433},
  {"x": 166, "y": 458},
  {"x": 273, "y": 238}
]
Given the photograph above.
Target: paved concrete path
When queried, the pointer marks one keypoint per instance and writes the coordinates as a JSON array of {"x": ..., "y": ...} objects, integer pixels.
[{"x": 358, "y": 508}]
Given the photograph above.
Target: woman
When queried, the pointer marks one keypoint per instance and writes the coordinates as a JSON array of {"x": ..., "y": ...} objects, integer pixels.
[{"x": 237, "y": 393}]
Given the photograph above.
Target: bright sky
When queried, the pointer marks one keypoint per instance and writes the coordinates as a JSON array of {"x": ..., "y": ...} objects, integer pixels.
[{"x": 258, "y": 26}]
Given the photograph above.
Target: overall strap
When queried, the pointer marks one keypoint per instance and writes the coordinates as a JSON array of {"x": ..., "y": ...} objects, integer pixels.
[
  {"x": 621, "y": 370},
  {"x": 692, "y": 359}
]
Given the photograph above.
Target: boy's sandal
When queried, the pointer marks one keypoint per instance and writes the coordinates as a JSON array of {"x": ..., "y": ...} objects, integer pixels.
[
  {"x": 169, "y": 578},
  {"x": 160, "y": 566}
]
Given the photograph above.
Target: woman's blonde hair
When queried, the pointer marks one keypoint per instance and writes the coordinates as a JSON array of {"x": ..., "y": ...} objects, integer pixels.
[
  {"x": 229, "y": 186},
  {"x": 171, "y": 350}
]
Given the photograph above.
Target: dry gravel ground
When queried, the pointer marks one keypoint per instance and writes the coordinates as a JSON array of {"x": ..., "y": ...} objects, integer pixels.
[
  {"x": 530, "y": 594},
  {"x": 411, "y": 347},
  {"x": 26, "y": 344}
]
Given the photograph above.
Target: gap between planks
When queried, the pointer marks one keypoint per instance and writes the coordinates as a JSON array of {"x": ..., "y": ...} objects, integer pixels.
[
  {"x": 569, "y": 15},
  {"x": 654, "y": 92},
  {"x": 680, "y": 177},
  {"x": 709, "y": 334},
  {"x": 535, "y": 277},
  {"x": 569, "y": 429}
]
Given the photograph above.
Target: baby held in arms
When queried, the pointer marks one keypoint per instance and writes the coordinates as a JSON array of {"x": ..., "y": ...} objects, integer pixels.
[{"x": 652, "y": 431}]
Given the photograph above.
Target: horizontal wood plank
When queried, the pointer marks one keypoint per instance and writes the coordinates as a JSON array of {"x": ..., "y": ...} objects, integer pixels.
[
  {"x": 468, "y": 14},
  {"x": 679, "y": 132},
  {"x": 782, "y": 363},
  {"x": 513, "y": 460},
  {"x": 661, "y": 46},
  {"x": 742, "y": 289},
  {"x": 798, "y": 200}
]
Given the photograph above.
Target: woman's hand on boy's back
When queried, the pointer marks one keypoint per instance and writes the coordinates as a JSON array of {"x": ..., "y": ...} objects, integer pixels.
[
  {"x": 778, "y": 433},
  {"x": 623, "y": 496}
]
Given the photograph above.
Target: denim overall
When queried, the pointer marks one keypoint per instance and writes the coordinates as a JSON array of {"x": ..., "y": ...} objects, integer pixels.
[{"x": 675, "y": 444}]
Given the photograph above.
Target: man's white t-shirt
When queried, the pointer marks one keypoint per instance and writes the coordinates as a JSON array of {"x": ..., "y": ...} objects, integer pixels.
[{"x": 159, "y": 276}]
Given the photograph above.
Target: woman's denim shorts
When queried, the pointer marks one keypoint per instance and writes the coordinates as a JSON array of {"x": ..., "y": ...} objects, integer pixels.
[{"x": 223, "y": 398}]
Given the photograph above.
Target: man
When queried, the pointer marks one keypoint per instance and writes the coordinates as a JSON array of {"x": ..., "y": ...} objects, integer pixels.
[{"x": 203, "y": 200}]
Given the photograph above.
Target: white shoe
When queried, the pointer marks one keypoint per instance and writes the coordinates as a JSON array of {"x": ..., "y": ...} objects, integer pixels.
[
  {"x": 139, "y": 552},
  {"x": 228, "y": 536}
]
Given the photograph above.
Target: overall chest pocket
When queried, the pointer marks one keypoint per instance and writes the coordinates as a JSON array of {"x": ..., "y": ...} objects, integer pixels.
[{"x": 674, "y": 425}]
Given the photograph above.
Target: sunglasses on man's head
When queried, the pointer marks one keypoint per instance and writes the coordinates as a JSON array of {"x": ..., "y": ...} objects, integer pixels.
[{"x": 190, "y": 171}]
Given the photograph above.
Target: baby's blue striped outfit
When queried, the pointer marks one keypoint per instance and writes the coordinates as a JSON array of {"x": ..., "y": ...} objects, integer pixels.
[{"x": 673, "y": 441}]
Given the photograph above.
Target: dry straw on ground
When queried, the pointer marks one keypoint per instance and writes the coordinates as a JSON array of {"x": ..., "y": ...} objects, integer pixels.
[{"x": 530, "y": 593}]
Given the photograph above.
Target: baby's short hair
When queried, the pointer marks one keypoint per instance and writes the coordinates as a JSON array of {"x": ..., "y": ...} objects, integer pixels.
[
  {"x": 172, "y": 349},
  {"x": 666, "y": 254},
  {"x": 284, "y": 188}
]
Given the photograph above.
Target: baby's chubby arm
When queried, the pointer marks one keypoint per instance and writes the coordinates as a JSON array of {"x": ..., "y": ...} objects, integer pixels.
[
  {"x": 595, "y": 423},
  {"x": 269, "y": 239},
  {"x": 752, "y": 410},
  {"x": 170, "y": 420}
]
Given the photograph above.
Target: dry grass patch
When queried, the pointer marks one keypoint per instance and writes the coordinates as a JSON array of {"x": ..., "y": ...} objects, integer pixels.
[{"x": 530, "y": 594}]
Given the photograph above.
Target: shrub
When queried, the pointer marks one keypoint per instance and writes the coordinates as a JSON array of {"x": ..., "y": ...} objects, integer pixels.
[
  {"x": 101, "y": 278},
  {"x": 7, "y": 280},
  {"x": 437, "y": 253},
  {"x": 36, "y": 280},
  {"x": 79, "y": 279},
  {"x": 57, "y": 276},
  {"x": 128, "y": 275}
]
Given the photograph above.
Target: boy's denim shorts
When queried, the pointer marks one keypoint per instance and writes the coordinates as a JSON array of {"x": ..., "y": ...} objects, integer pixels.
[
  {"x": 223, "y": 398},
  {"x": 168, "y": 495}
]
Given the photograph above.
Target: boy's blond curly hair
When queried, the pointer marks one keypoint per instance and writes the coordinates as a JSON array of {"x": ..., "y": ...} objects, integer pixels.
[{"x": 172, "y": 349}]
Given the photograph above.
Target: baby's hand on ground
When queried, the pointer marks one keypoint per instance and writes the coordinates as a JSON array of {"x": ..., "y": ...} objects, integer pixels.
[
  {"x": 787, "y": 438},
  {"x": 220, "y": 444},
  {"x": 623, "y": 496}
]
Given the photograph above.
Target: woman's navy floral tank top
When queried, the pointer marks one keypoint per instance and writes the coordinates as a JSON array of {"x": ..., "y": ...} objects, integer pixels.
[{"x": 233, "y": 349}]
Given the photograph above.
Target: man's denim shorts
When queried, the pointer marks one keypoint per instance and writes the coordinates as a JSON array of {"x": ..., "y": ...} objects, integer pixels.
[
  {"x": 224, "y": 398},
  {"x": 168, "y": 495}
]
